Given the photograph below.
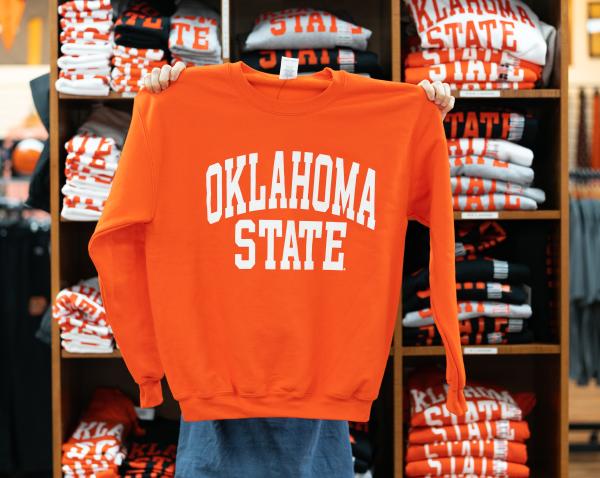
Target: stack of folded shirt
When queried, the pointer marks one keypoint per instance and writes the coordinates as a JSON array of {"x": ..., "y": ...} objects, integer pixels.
[
  {"x": 97, "y": 446},
  {"x": 86, "y": 47},
  {"x": 92, "y": 158},
  {"x": 487, "y": 441},
  {"x": 489, "y": 172},
  {"x": 362, "y": 451},
  {"x": 194, "y": 37},
  {"x": 152, "y": 453},
  {"x": 478, "y": 48},
  {"x": 142, "y": 42},
  {"x": 317, "y": 38},
  {"x": 80, "y": 314},
  {"x": 493, "y": 300}
]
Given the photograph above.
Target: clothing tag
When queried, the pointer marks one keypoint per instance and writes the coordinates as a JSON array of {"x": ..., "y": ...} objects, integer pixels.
[
  {"x": 289, "y": 68},
  {"x": 479, "y": 215},
  {"x": 145, "y": 413},
  {"x": 480, "y": 350},
  {"x": 479, "y": 93}
]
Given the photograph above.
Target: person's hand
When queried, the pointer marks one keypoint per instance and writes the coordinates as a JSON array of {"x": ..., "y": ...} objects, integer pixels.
[
  {"x": 440, "y": 94},
  {"x": 161, "y": 78}
]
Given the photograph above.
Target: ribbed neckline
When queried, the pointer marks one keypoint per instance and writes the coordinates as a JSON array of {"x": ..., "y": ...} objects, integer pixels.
[{"x": 240, "y": 71}]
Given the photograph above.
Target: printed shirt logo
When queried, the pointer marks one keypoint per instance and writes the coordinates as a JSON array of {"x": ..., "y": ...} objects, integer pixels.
[{"x": 326, "y": 184}]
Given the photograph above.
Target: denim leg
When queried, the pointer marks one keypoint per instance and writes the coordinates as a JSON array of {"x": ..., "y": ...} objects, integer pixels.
[{"x": 264, "y": 448}]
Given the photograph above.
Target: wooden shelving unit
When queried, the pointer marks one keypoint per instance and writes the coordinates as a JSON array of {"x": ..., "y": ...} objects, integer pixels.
[{"x": 541, "y": 367}]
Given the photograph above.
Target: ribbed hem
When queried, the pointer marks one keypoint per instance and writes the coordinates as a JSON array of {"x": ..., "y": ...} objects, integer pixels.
[
  {"x": 150, "y": 394},
  {"x": 313, "y": 406},
  {"x": 456, "y": 403}
]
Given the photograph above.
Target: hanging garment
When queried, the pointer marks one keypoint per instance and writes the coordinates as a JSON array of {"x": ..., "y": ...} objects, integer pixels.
[
  {"x": 195, "y": 236},
  {"x": 595, "y": 158}
]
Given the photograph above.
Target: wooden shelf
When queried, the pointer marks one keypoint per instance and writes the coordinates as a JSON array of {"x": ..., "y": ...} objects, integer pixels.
[
  {"x": 517, "y": 349},
  {"x": 70, "y": 355},
  {"x": 517, "y": 94},
  {"x": 508, "y": 215},
  {"x": 111, "y": 97}
]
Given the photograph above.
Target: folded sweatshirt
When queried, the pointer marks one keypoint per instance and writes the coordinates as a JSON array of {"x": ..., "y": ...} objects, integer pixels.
[
  {"x": 301, "y": 28},
  {"x": 497, "y": 449},
  {"x": 504, "y": 429},
  {"x": 475, "y": 186},
  {"x": 490, "y": 168},
  {"x": 436, "y": 467},
  {"x": 491, "y": 148},
  {"x": 494, "y": 202},
  {"x": 470, "y": 310},
  {"x": 473, "y": 71}
]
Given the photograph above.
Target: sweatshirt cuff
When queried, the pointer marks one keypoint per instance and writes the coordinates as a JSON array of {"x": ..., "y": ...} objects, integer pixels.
[
  {"x": 150, "y": 394},
  {"x": 455, "y": 402}
]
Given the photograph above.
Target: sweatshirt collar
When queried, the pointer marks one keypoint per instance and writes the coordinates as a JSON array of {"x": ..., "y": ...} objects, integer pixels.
[{"x": 240, "y": 72}]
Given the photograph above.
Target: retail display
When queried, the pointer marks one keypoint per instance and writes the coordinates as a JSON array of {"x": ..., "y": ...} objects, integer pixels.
[
  {"x": 541, "y": 364},
  {"x": 141, "y": 43},
  {"x": 478, "y": 47},
  {"x": 92, "y": 159},
  {"x": 254, "y": 251},
  {"x": 79, "y": 311},
  {"x": 493, "y": 300},
  {"x": 317, "y": 38},
  {"x": 86, "y": 47},
  {"x": 194, "y": 36},
  {"x": 97, "y": 445},
  {"x": 489, "y": 171},
  {"x": 488, "y": 440}
]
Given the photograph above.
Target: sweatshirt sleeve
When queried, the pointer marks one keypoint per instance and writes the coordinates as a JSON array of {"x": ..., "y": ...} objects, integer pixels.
[
  {"x": 117, "y": 249},
  {"x": 430, "y": 203}
]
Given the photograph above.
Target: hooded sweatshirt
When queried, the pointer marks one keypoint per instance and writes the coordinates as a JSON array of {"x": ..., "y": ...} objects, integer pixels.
[{"x": 252, "y": 243}]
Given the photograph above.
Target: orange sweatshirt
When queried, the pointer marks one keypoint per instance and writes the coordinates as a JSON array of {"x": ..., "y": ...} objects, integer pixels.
[{"x": 252, "y": 243}]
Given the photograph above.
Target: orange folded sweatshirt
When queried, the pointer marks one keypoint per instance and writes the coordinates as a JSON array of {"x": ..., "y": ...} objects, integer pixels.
[{"x": 252, "y": 243}]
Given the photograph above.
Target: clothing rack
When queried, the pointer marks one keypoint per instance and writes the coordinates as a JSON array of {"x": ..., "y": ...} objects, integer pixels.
[{"x": 542, "y": 367}]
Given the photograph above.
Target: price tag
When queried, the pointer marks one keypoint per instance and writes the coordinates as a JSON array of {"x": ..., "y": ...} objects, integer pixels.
[
  {"x": 289, "y": 68},
  {"x": 128, "y": 94},
  {"x": 480, "y": 351},
  {"x": 480, "y": 215},
  {"x": 479, "y": 94}
]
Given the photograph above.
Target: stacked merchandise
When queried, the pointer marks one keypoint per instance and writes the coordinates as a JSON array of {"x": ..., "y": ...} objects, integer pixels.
[
  {"x": 80, "y": 314},
  {"x": 96, "y": 448},
  {"x": 92, "y": 158},
  {"x": 142, "y": 42},
  {"x": 362, "y": 451},
  {"x": 152, "y": 452},
  {"x": 492, "y": 296},
  {"x": 86, "y": 47},
  {"x": 487, "y": 441},
  {"x": 477, "y": 46},
  {"x": 489, "y": 171},
  {"x": 194, "y": 37},
  {"x": 317, "y": 38}
]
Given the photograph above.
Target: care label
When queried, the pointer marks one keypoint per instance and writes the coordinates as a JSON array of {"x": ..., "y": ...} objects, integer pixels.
[
  {"x": 480, "y": 215},
  {"x": 480, "y": 350},
  {"x": 289, "y": 68},
  {"x": 145, "y": 413},
  {"x": 479, "y": 94}
]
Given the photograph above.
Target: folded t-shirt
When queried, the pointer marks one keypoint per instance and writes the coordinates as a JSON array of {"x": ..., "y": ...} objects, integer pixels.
[
  {"x": 144, "y": 24},
  {"x": 470, "y": 71},
  {"x": 494, "y": 202},
  {"x": 429, "y": 335},
  {"x": 490, "y": 168},
  {"x": 497, "y": 124}
]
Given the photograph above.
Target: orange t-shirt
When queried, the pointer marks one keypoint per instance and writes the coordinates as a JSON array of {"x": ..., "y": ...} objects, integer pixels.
[
  {"x": 503, "y": 429},
  {"x": 497, "y": 449},
  {"x": 251, "y": 246}
]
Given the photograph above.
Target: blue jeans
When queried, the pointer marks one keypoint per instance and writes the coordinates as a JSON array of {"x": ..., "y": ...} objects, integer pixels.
[{"x": 264, "y": 448}]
